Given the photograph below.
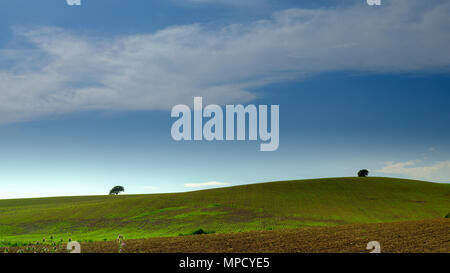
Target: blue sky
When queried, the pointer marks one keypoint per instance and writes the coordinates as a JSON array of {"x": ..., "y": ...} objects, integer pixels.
[{"x": 86, "y": 92}]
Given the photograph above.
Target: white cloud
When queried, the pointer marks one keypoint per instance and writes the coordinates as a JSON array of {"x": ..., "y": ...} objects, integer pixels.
[
  {"x": 206, "y": 184},
  {"x": 67, "y": 72},
  {"x": 439, "y": 171}
]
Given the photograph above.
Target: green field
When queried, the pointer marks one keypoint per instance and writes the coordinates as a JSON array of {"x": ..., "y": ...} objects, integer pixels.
[{"x": 277, "y": 205}]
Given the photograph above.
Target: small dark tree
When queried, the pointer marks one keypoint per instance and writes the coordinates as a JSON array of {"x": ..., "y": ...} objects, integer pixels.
[
  {"x": 116, "y": 190},
  {"x": 363, "y": 173}
]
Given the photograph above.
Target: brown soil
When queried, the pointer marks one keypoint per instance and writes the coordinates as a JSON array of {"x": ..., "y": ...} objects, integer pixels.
[{"x": 407, "y": 237}]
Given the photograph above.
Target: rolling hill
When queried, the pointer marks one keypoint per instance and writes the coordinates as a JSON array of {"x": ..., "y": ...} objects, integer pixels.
[{"x": 265, "y": 206}]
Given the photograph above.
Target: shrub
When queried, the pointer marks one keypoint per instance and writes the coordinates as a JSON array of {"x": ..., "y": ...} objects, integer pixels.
[
  {"x": 199, "y": 232},
  {"x": 448, "y": 215}
]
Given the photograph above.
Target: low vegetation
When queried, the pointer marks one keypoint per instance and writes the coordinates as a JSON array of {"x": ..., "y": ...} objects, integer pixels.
[{"x": 50, "y": 245}]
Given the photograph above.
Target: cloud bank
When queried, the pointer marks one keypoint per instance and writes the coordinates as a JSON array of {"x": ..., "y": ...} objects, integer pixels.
[
  {"x": 439, "y": 171},
  {"x": 62, "y": 72}
]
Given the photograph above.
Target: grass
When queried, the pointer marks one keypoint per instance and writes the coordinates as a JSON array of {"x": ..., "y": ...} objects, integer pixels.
[{"x": 277, "y": 205}]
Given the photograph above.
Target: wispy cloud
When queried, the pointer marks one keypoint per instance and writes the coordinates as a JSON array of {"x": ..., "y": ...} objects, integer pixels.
[
  {"x": 67, "y": 72},
  {"x": 206, "y": 184},
  {"x": 439, "y": 171}
]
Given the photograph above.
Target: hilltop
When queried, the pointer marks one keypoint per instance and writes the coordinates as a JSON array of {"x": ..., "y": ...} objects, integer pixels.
[{"x": 265, "y": 206}]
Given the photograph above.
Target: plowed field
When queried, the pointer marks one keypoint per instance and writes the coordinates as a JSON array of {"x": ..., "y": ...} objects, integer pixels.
[{"x": 400, "y": 237}]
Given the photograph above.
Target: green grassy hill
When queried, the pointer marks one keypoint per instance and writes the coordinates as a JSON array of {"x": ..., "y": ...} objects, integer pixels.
[{"x": 290, "y": 204}]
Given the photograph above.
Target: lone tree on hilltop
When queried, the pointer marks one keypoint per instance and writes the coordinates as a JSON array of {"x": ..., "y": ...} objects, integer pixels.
[
  {"x": 363, "y": 173},
  {"x": 116, "y": 190}
]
